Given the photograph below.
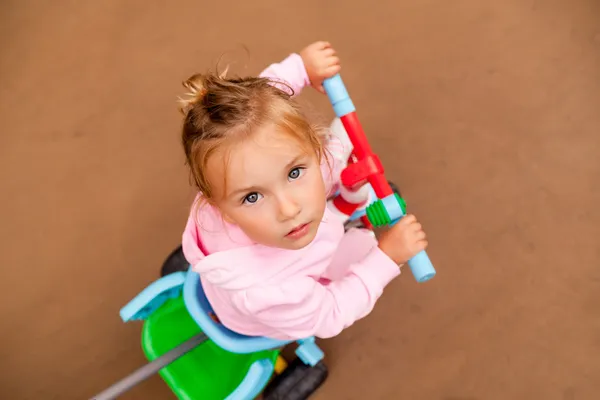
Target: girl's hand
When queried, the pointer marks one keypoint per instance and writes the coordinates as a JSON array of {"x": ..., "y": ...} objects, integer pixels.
[
  {"x": 321, "y": 62},
  {"x": 404, "y": 240}
]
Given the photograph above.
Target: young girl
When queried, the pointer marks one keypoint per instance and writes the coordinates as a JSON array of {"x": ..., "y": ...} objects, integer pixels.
[{"x": 273, "y": 259}]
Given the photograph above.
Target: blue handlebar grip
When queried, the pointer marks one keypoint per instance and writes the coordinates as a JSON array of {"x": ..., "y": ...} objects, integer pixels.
[
  {"x": 421, "y": 267},
  {"x": 338, "y": 96}
]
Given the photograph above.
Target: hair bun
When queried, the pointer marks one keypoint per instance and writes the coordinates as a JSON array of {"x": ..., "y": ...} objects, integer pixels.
[{"x": 196, "y": 91}]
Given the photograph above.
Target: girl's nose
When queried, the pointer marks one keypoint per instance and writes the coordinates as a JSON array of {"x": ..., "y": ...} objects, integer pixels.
[{"x": 288, "y": 208}]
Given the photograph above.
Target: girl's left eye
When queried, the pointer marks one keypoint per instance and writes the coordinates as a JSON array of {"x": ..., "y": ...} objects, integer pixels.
[
  {"x": 295, "y": 173},
  {"x": 252, "y": 198}
]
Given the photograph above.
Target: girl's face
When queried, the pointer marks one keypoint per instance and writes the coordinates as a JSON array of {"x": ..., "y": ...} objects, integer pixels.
[{"x": 271, "y": 186}]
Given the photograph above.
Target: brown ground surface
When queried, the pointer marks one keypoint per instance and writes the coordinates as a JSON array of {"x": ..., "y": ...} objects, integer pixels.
[{"x": 487, "y": 115}]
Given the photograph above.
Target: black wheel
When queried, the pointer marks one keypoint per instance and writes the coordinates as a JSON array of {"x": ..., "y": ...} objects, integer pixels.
[
  {"x": 297, "y": 382},
  {"x": 395, "y": 188},
  {"x": 175, "y": 262}
]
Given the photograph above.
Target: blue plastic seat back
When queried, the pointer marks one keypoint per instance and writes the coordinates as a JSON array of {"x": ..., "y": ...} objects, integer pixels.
[
  {"x": 153, "y": 297},
  {"x": 200, "y": 309}
]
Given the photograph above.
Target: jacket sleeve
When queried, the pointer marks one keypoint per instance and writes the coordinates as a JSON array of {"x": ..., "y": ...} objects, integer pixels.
[
  {"x": 291, "y": 71},
  {"x": 305, "y": 307}
]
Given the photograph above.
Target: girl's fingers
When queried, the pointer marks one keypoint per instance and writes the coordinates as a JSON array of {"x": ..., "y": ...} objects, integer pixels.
[
  {"x": 422, "y": 245},
  {"x": 332, "y": 70},
  {"x": 328, "y": 52},
  {"x": 333, "y": 60},
  {"x": 416, "y": 226},
  {"x": 408, "y": 219},
  {"x": 420, "y": 235},
  {"x": 322, "y": 45}
]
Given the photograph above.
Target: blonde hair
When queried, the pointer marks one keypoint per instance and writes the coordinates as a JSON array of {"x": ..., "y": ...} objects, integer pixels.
[{"x": 218, "y": 110}]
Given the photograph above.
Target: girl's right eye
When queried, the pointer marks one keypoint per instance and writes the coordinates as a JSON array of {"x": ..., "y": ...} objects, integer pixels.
[{"x": 252, "y": 198}]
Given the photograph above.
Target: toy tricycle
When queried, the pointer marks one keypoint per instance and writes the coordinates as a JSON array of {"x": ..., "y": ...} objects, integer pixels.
[{"x": 198, "y": 357}]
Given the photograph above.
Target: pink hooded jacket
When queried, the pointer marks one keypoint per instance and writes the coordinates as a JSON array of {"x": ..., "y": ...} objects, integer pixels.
[{"x": 288, "y": 294}]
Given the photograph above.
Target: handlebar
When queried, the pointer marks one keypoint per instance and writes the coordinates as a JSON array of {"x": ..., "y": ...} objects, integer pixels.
[{"x": 389, "y": 206}]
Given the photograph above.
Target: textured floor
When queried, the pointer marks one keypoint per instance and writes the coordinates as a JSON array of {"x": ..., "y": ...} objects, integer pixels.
[{"x": 486, "y": 114}]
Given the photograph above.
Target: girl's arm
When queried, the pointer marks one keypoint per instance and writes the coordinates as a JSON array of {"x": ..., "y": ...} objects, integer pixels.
[
  {"x": 291, "y": 71},
  {"x": 316, "y": 62},
  {"x": 305, "y": 307}
]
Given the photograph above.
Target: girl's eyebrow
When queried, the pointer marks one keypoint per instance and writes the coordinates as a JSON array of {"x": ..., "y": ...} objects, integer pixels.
[
  {"x": 249, "y": 189},
  {"x": 244, "y": 190},
  {"x": 294, "y": 161}
]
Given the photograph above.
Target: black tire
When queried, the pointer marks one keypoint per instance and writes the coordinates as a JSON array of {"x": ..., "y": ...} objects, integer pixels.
[
  {"x": 297, "y": 382},
  {"x": 175, "y": 262},
  {"x": 395, "y": 188}
]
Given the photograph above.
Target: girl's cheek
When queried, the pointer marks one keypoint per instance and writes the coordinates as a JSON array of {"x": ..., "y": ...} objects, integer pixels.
[{"x": 257, "y": 213}]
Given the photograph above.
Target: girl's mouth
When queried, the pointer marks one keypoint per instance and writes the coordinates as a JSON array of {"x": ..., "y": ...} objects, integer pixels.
[{"x": 298, "y": 231}]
